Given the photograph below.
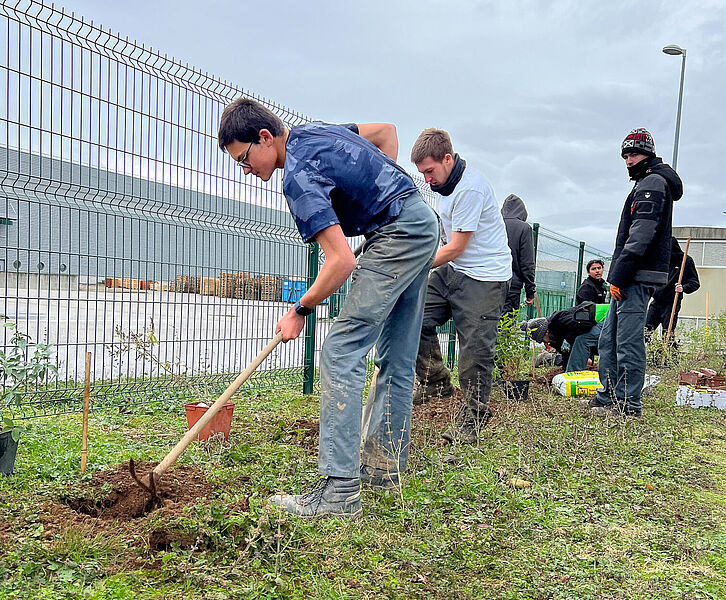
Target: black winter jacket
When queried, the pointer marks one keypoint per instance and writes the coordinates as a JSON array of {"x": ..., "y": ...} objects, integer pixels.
[
  {"x": 593, "y": 290},
  {"x": 689, "y": 281},
  {"x": 521, "y": 243},
  {"x": 643, "y": 242},
  {"x": 562, "y": 326}
]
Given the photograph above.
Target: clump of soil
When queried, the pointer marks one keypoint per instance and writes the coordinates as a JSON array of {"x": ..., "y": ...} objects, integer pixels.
[
  {"x": 546, "y": 378},
  {"x": 111, "y": 503}
]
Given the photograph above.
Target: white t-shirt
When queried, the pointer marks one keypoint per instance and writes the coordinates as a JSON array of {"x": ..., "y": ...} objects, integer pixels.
[{"x": 473, "y": 207}]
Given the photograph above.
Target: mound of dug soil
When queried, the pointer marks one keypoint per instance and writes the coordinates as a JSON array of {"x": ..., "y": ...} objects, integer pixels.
[
  {"x": 438, "y": 412},
  {"x": 304, "y": 433},
  {"x": 114, "y": 495},
  {"x": 112, "y": 503}
]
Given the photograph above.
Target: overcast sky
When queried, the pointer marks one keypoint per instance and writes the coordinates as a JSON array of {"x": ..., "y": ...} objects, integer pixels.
[{"x": 536, "y": 95}]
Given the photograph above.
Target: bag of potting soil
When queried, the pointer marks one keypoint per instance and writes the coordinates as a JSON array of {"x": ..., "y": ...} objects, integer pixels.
[
  {"x": 586, "y": 383},
  {"x": 576, "y": 383}
]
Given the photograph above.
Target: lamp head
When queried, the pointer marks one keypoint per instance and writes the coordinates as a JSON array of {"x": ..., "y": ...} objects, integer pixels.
[{"x": 674, "y": 50}]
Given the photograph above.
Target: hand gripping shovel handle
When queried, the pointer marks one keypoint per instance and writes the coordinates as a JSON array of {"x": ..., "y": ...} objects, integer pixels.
[{"x": 191, "y": 435}]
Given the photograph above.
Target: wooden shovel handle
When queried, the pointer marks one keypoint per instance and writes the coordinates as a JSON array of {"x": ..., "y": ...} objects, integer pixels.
[
  {"x": 191, "y": 435},
  {"x": 536, "y": 303},
  {"x": 667, "y": 337}
]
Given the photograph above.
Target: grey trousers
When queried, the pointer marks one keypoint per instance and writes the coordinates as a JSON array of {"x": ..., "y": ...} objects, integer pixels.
[
  {"x": 475, "y": 307},
  {"x": 384, "y": 306},
  {"x": 622, "y": 349}
]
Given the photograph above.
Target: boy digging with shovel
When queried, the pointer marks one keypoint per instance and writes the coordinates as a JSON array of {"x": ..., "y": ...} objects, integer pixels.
[{"x": 343, "y": 181}]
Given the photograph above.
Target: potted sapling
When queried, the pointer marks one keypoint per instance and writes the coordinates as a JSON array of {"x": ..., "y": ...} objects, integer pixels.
[
  {"x": 9, "y": 437},
  {"x": 23, "y": 366},
  {"x": 512, "y": 352}
]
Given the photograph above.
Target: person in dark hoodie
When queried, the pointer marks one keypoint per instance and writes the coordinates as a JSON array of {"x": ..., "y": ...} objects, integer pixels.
[
  {"x": 593, "y": 286},
  {"x": 640, "y": 265},
  {"x": 659, "y": 312},
  {"x": 521, "y": 243}
]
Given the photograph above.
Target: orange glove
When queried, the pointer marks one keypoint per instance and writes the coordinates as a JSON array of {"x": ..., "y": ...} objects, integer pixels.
[{"x": 616, "y": 293}]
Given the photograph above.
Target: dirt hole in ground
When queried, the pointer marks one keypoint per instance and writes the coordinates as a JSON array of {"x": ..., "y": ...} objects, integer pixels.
[{"x": 114, "y": 495}]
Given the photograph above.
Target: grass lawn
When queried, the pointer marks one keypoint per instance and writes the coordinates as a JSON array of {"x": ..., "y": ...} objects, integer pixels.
[{"x": 616, "y": 509}]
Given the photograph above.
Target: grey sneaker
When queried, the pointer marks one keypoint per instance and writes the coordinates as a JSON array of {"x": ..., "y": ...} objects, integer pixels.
[
  {"x": 331, "y": 497},
  {"x": 379, "y": 479},
  {"x": 423, "y": 393}
]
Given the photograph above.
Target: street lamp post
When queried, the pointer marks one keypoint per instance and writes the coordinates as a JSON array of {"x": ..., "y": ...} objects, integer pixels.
[{"x": 675, "y": 50}]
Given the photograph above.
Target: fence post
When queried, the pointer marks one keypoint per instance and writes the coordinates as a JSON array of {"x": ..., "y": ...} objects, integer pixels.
[
  {"x": 580, "y": 258},
  {"x": 451, "y": 352},
  {"x": 309, "y": 360}
]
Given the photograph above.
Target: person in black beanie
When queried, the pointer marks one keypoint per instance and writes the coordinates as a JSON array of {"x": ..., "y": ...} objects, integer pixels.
[
  {"x": 640, "y": 264},
  {"x": 659, "y": 311},
  {"x": 593, "y": 286}
]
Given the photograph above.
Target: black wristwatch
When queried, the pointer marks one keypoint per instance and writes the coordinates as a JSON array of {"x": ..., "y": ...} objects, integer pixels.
[{"x": 303, "y": 311}]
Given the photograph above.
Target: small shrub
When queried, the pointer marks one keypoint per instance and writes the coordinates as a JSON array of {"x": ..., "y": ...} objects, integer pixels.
[
  {"x": 23, "y": 365},
  {"x": 512, "y": 347}
]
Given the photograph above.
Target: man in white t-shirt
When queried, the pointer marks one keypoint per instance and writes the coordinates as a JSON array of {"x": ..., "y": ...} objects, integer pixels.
[{"x": 469, "y": 283}]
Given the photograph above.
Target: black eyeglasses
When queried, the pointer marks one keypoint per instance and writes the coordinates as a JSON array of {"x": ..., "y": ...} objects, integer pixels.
[{"x": 242, "y": 162}]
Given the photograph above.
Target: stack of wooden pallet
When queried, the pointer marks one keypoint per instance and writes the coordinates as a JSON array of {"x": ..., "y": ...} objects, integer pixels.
[
  {"x": 208, "y": 286},
  {"x": 187, "y": 284},
  {"x": 241, "y": 280},
  {"x": 252, "y": 289},
  {"x": 225, "y": 288},
  {"x": 271, "y": 288}
]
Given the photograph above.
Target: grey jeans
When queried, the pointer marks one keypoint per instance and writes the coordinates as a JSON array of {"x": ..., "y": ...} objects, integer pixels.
[
  {"x": 622, "y": 349},
  {"x": 384, "y": 307},
  {"x": 475, "y": 307}
]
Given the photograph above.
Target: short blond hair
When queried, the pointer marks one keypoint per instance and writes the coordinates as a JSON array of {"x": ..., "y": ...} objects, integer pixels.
[{"x": 432, "y": 142}]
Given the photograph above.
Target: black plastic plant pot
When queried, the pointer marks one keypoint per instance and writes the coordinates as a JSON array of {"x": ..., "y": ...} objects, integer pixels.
[
  {"x": 516, "y": 390},
  {"x": 8, "y": 450}
]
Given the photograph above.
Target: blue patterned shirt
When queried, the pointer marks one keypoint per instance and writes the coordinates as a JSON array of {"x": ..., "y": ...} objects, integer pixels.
[{"x": 334, "y": 176}]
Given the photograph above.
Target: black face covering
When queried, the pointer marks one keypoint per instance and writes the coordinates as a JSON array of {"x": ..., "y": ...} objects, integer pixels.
[
  {"x": 453, "y": 179},
  {"x": 638, "y": 171}
]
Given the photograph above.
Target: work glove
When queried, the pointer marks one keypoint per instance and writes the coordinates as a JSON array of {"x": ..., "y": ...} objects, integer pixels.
[{"x": 616, "y": 293}]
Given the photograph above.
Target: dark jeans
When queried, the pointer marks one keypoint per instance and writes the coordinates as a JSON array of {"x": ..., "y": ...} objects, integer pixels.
[
  {"x": 660, "y": 314},
  {"x": 475, "y": 307},
  {"x": 581, "y": 349},
  {"x": 622, "y": 349}
]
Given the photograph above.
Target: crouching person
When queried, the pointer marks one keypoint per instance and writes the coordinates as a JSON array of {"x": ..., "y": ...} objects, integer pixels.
[
  {"x": 343, "y": 181},
  {"x": 579, "y": 326}
]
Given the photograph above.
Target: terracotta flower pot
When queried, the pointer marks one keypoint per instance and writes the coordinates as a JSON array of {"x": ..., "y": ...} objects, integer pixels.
[{"x": 220, "y": 423}]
